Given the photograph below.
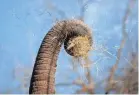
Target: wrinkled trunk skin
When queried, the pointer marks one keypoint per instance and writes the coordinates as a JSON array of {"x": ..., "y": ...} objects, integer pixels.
[{"x": 43, "y": 76}]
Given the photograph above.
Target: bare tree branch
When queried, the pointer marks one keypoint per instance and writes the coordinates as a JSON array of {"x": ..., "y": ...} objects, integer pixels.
[{"x": 113, "y": 69}]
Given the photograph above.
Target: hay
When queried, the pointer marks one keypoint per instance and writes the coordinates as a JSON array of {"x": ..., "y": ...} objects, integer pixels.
[{"x": 79, "y": 46}]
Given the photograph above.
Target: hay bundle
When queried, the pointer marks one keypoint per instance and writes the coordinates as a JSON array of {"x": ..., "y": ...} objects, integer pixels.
[{"x": 79, "y": 46}]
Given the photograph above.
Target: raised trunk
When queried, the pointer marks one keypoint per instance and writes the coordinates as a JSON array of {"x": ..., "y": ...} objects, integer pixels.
[{"x": 43, "y": 76}]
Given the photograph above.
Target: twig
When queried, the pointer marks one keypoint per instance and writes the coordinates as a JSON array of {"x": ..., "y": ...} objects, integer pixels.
[{"x": 113, "y": 69}]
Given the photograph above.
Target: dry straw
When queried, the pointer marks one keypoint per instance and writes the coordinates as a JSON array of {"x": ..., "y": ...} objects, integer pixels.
[{"x": 79, "y": 46}]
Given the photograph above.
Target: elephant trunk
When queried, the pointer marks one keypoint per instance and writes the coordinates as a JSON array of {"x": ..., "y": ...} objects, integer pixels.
[{"x": 43, "y": 76}]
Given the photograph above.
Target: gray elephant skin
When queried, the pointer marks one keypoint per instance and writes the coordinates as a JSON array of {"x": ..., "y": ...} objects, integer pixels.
[{"x": 43, "y": 75}]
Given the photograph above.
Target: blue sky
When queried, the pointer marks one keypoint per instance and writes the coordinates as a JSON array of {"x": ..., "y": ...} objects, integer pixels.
[{"x": 24, "y": 23}]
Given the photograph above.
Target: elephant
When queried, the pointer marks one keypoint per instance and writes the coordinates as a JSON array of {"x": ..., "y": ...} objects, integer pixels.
[{"x": 43, "y": 75}]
